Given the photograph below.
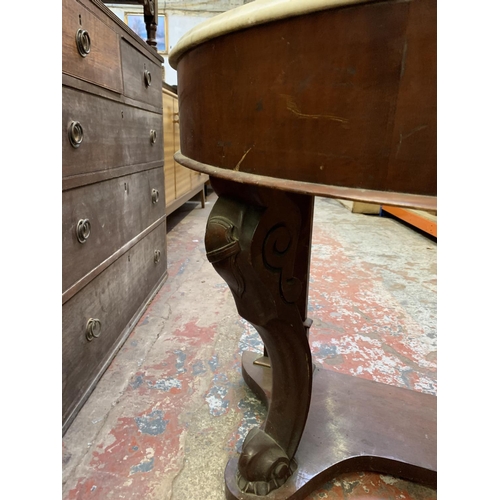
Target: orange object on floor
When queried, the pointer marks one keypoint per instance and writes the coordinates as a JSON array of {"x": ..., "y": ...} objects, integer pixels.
[{"x": 418, "y": 218}]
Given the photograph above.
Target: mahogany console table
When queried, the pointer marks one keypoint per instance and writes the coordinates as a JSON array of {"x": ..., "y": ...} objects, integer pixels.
[{"x": 280, "y": 102}]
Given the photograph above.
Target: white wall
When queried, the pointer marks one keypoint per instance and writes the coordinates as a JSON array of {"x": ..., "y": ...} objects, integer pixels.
[{"x": 178, "y": 25}]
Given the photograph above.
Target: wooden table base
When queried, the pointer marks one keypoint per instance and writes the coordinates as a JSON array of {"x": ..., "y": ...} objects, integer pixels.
[{"x": 353, "y": 425}]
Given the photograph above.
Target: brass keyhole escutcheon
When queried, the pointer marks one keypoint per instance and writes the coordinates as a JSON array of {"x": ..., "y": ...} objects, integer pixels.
[
  {"x": 83, "y": 42},
  {"x": 83, "y": 230},
  {"x": 93, "y": 329},
  {"x": 75, "y": 133}
]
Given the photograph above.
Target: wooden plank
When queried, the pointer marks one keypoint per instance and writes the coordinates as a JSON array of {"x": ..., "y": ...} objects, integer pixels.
[
  {"x": 418, "y": 218},
  {"x": 168, "y": 147}
]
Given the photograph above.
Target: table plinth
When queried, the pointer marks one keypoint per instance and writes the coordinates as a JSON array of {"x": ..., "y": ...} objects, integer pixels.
[{"x": 353, "y": 425}]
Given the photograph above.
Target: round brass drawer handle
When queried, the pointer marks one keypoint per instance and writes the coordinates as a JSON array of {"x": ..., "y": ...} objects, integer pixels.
[
  {"x": 147, "y": 78},
  {"x": 157, "y": 256},
  {"x": 83, "y": 230},
  {"x": 93, "y": 330},
  {"x": 83, "y": 42},
  {"x": 152, "y": 136},
  {"x": 75, "y": 133},
  {"x": 155, "y": 196}
]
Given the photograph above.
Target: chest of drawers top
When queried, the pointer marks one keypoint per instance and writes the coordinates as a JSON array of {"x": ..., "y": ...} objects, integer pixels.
[{"x": 100, "y": 49}]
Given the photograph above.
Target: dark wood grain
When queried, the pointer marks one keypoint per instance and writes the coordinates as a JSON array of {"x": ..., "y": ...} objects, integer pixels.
[
  {"x": 110, "y": 140},
  {"x": 117, "y": 209},
  {"x": 341, "y": 103},
  {"x": 113, "y": 297},
  {"x": 108, "y": 179},
  {"x": 111, "y": 20},
  {"x": 377, "y": 427},
  {"x": 134, "y": 64},
  {"x": 102, "y": 64},
  {"x": 316, "y": 98},
  {"x": 413, "y": 157}
]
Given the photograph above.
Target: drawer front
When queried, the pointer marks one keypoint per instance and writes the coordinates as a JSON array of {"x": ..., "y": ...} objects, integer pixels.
[
  {"x": 117, "y": 211},
  {"x": 113, "y": 298},
  {"x": 142, "y": 79},
  {"x": 101, "y": 65},
  {"x": 111, "y": 134}
]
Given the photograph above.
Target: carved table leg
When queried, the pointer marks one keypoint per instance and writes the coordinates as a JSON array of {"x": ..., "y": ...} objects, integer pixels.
[{"x": 259, "y": 242}]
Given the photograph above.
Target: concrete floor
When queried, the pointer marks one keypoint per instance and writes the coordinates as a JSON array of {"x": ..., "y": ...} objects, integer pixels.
[{"x": 172, "y": 407}]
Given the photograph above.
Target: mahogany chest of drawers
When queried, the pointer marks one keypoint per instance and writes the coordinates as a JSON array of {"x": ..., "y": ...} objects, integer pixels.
[{"x": 113, "y": 200}]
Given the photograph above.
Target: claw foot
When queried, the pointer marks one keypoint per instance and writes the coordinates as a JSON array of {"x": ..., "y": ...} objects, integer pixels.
[{"x": 263, "y": 465}]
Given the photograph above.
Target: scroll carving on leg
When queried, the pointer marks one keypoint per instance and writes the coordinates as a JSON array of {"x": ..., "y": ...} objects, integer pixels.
[{"x": 254, "y": 241}]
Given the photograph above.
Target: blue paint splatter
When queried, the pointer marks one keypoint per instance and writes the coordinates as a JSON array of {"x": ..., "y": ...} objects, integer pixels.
[
  {"x": 253, "y": 415},
  {"x": 143, "y": 466},
  {"x": 152, "y": 424},
  {"x": 166, "y": 384},
  {"x": 327, "y": 351},
  {"x": 214, "y": 363},
  {"x": 215, "y": 397},
  {"x": 250, "y": 340},
  {"x": 199, "y": 368},
  {"x": 137, "y": 382},
  {"x": 135, "y": 448},
  {"x": 181, "y": 358},
  {"x": 405, "y": 377}
]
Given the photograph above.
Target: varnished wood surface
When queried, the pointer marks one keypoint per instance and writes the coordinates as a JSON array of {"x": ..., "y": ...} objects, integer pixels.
[
  {"x": 375, "y": 427},
  {"x": 87, "y": 278},
  {"x": 110, "y": 176},
  {"x": 182, "y": 174},
  {"x": 181, "y": 183},
  {"x": 102, "y": 64},
  {"x": 133, "y": 65},
  {"x": 345, "y": 193},
  {"x": 343, "y": 97},
  {"x": 117, "y": 209},
  {"x": 248, "y": 16},
  {"x": 105, "y": 15},
  {"x": 110, "y": 139},
  {"x": 113, "y": 297},
  {"x": 169, "y": 146}
]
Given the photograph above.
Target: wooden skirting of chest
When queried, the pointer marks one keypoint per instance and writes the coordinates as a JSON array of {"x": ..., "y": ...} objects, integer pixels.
[{"x": 113, "y": 194}]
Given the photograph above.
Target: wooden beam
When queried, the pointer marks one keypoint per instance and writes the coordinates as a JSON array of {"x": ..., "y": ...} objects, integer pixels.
[{"x": 418, "y": 218}]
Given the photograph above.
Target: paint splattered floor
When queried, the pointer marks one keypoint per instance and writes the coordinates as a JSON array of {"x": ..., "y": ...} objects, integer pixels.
[{"x": 172, "y": 407}]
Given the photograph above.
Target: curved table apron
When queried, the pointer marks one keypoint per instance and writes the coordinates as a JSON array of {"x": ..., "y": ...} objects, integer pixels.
[{"x": 280, "y": 102}]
